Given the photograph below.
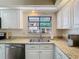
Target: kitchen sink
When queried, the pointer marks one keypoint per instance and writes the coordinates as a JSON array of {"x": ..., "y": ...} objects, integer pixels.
[{"x": 39, "y": 40}]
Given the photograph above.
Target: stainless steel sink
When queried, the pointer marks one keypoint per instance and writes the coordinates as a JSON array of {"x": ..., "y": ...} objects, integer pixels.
[{"x": 39, "y": 40}]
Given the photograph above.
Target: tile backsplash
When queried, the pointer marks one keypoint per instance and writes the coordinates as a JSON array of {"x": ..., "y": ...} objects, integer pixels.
[{"x": 24, "y": 31}]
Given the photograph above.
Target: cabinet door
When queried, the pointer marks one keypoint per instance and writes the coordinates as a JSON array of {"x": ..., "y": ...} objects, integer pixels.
[
  {"x": 66, "y": 17},
  {"x": 32, "y": 54},
  {"x": 58, "y": 56},
  {"x": 64, "y": 56},
  {"x": 59, "y": 20},
  {"x": 46, "y": 54},
  {"x": 76, "y": 14},
  {"x": 10, "y": 18},
  {"x": 2, "y": 51},
  {"x": 57, "y": 53}
]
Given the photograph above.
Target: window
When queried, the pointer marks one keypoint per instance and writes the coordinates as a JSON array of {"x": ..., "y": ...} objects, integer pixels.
[{"x": 39, "y": 24}]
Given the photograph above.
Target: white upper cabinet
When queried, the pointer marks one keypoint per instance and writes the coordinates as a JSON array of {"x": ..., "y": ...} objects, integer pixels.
[
  {"x": 11, "y": 19},
  {"x": 66, "y": 17},
  {"x": 70, "y": 16},
  {"x": 59, "y": 20},
  {"x": 76, "y": 14},
  {"x": 63, "y": 17}
]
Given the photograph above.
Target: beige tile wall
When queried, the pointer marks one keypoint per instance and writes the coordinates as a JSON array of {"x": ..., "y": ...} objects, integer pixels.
[{"x": 24, "y": 31}]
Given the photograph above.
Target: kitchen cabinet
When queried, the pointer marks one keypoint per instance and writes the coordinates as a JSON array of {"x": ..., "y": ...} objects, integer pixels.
[
  {"x": 59, "y": 54},
  {"x": 32, "y": 51},
  {"x": 11, "y": 19},
  {"x": 39, "y": 51},
  {"x": 76, "y": 14},
  {"x": 66, "y": 16},
  {"x": 32, "y": 54},
  {"x": 59, "y": 20},
  {"x": 2, "y": 51},
  {"x": 47, "y": 54},
  {"x": 63, "y": 17}
]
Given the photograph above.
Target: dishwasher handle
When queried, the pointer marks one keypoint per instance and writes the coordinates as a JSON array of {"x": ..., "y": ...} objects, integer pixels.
[
  {"x": 14, "y": 46},
  {"x": 10, "y": 46},
  {"x": 19, "y": 46}
]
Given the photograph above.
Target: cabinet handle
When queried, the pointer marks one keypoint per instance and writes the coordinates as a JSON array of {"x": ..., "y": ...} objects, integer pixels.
[
  {"x": 32, "y": 47},
  {"x": 46, "y": 47},
  {"x": 40, "y": 51}
]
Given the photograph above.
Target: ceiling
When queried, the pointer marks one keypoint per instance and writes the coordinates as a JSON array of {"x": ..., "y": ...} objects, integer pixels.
[
  {"x": 38, "y": 5},
  {"x": 28, "y": 2},
  {"x": 40, "y": 2},
  {"x": 38, "y": 8}
]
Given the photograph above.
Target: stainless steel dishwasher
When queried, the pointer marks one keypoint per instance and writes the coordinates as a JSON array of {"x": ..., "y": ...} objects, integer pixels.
[{"x": 15, "y": 51}]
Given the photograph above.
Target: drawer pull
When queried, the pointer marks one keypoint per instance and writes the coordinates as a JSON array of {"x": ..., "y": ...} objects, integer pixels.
[
  {"x": 33, "y": 47},
  {"x": 40, "y": 51},
  {"x": 46, "y": 47}
]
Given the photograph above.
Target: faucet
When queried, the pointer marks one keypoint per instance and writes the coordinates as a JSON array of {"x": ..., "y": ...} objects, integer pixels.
[{"x": 40, "y": 37}]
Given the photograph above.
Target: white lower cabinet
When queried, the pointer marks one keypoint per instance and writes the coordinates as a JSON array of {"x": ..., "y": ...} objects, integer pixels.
[
  {"x": 59, "y": 54},
  {"x": 44, "y": 52},
  {"x": 2, "y": 51},
  {"x": 32, "y": 54}
]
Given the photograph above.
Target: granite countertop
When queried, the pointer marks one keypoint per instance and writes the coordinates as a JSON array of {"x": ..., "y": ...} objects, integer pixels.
[
  {"x": 15, "y": 40},
  {"x": 72, "y": 52}
]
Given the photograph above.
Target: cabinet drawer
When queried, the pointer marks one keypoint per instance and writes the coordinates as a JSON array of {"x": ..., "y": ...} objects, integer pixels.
[
  {"x": 32, "y": 47},
  {"x": 2, "y": 45},
  {"x": 46, "y": 47}
]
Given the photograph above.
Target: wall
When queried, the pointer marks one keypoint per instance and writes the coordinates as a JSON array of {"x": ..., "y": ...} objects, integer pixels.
[
  {"x": 24, "y": 31},
  {"x": 71, "y": 31}
]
